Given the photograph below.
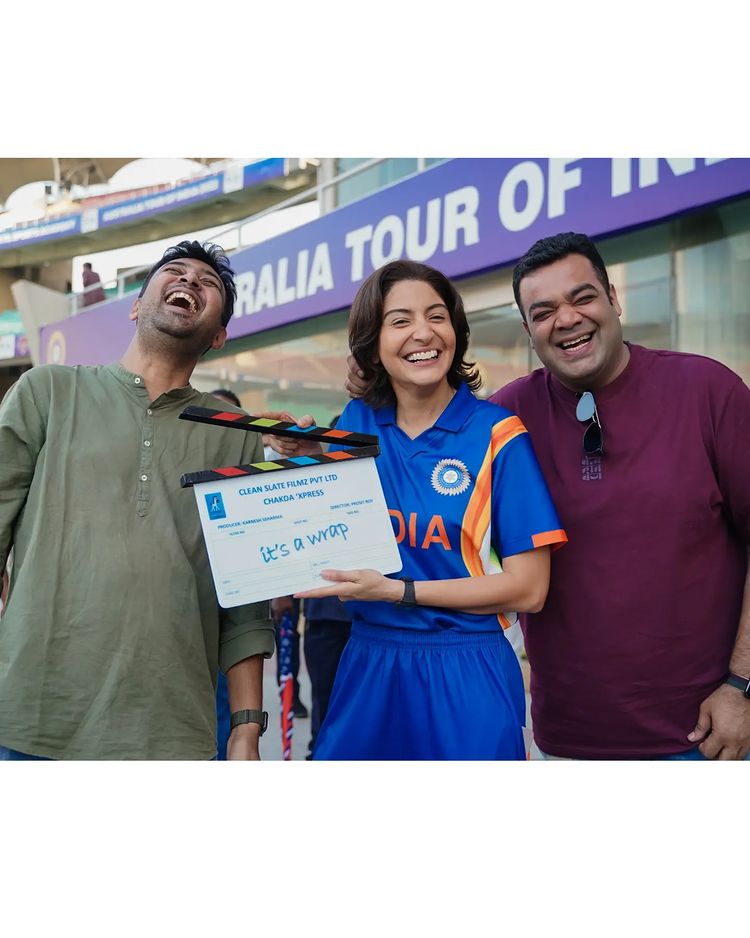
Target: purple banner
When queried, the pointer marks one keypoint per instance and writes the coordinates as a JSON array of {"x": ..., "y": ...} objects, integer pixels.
[
  {"x": 95, "y": 337},
  {"x": 59, "y": 228},
  {"x": 198, "y": 190},
  {"x": 462, "y": 216}
]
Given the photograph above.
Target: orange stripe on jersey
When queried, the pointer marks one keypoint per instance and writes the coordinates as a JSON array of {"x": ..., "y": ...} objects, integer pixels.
[
  {"x": 504, "y": 432},
  {"x": 476, "y": 520},
  {"x": 558, "y": 538}
]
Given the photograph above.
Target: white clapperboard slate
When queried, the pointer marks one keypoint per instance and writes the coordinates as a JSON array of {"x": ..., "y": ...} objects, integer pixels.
[{"x": 271, "y": 527}]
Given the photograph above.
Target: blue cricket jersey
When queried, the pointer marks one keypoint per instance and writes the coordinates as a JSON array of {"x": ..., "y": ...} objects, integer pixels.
[{"x": 465, "y": 493}]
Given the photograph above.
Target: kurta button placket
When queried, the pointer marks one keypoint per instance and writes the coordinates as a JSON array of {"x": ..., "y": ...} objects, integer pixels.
[{"x": 147, "y": 434}]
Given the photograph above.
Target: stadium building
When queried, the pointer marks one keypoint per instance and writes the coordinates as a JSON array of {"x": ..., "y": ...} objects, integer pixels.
[{"x": 675, "y": 234}]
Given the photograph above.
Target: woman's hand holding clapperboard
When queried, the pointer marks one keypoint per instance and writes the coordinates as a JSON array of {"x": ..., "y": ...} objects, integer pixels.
[{"x": 286, "y": 446}]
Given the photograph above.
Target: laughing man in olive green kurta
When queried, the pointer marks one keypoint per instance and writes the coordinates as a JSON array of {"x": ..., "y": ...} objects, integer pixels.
[{"x": 112, "y": 635}]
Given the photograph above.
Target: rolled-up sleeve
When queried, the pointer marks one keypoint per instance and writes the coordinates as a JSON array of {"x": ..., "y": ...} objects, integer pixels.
[
  {"x": 22, "y": 433},
  {"x": 245, "y": 631}
]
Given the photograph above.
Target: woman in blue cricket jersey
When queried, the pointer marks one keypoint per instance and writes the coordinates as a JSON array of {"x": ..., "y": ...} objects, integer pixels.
[{"x": 428, "y": 672}]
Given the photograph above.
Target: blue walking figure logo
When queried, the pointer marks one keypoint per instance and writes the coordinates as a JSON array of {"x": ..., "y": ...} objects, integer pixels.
[{"x": 215, "y": 505}]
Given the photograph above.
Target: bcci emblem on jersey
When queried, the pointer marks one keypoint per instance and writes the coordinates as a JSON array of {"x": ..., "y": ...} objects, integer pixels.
[
  {"x": 215, "y": 505},
  {"x": 450, "y": 477}
]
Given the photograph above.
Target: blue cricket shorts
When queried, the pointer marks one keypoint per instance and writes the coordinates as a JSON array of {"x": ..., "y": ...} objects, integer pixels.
[{"x": 406, "y": 694}]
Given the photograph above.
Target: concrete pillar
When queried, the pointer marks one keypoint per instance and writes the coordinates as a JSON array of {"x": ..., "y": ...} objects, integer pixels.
[
  {"x": 38, "y": 306},
  {"x": 327, "y": 198}
]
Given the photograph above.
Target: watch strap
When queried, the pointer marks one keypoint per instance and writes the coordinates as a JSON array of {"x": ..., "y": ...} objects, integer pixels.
[
  {"x": 409, "y": 599},
  {"x": 741, "y": 683},
  {"x": 249, "y": 716}
]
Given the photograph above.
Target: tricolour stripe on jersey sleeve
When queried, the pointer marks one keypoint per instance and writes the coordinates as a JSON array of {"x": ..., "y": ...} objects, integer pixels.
[
  {"x": 476, "y": 520},
  {"x": 475, "y": 527}
]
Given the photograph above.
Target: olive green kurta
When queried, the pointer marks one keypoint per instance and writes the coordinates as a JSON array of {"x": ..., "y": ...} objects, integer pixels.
[{"x": 112, "y": 635}]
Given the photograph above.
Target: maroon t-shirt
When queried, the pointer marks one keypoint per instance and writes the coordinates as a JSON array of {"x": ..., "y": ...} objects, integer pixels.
[{"x": 645, "y": 598}]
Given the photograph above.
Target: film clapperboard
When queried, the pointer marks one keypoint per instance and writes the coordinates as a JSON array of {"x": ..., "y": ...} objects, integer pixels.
[{"x": 271, "y": 527}]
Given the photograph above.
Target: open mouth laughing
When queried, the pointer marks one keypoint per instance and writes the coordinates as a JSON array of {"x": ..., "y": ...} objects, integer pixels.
[
  {"x": 183, "y": 300},
  {"x": 430, "y": 355},
  {"x": 580, "y": 342}
]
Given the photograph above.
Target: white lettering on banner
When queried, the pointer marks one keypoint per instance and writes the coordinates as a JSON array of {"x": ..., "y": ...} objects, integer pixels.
[
  {"x": 160, "y": 201},
  {"x": 422, "y": 251},
  {"x": 356, "y": 241},
  {"x": 621, "y": 178},
  {"x": 716, "y": 159},
  {"x": 531, "y": 174},
  {"x": 390, "y": 236},
  {"x": 460, "y": 214},
  {"x": 271, "y": 288},
  {"x": 561, "y": 179},
  {"x": 245, "y": 284},
  {"x": 389, "y": 228},
  {"x": 302, "y": 260},
  {"x": 321, "y": 273},
  {"x": 446, "y": 223},
  {"x": 38, "y": 231},
  {"x": 265, "y": 295},
  {"x": 284, "y": 292},
  {"x": 648, "y": 171}
]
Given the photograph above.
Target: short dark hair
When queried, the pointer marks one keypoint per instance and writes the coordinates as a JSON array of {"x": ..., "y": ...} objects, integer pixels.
[
  {"x": 227, "y": 394},
  {"x": 366, "y": 319},
  {"x": 210, "y": 254},
  {"x": 87, "y": 263},
  {"x": 548, "y": 250}
]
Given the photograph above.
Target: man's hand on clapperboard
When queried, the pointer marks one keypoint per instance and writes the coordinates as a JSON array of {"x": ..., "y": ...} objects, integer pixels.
[{"x": 285, "y": 446}]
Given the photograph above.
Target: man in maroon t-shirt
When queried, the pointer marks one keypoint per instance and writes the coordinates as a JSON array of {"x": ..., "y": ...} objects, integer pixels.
[
  {"x": 90, "y": 277},
  {"x": 642, "y": 649}
]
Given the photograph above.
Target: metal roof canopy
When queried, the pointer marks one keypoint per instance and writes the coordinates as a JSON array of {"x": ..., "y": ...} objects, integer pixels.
[
  {"x": 76, "y": 170},
  {"x": 219, "y": 210}
]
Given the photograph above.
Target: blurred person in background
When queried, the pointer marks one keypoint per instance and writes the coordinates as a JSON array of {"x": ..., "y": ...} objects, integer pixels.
[{"x": 92, "y": 293}]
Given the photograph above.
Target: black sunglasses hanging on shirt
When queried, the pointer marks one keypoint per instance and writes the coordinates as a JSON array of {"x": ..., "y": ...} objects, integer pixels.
[{"x": 593, "y": 435}]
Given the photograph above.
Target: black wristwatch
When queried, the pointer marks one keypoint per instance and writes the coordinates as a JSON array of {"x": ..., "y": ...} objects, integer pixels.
[
  {"x": 409, "y": 598},
  {"x": 249, "y": 716},
  {"x": 741, "y": 683}
]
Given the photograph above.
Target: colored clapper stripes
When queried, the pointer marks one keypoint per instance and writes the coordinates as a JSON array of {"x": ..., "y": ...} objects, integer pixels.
[
  {"x": 276, "y": 427},
  {"x": 362, "y": 444}
]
